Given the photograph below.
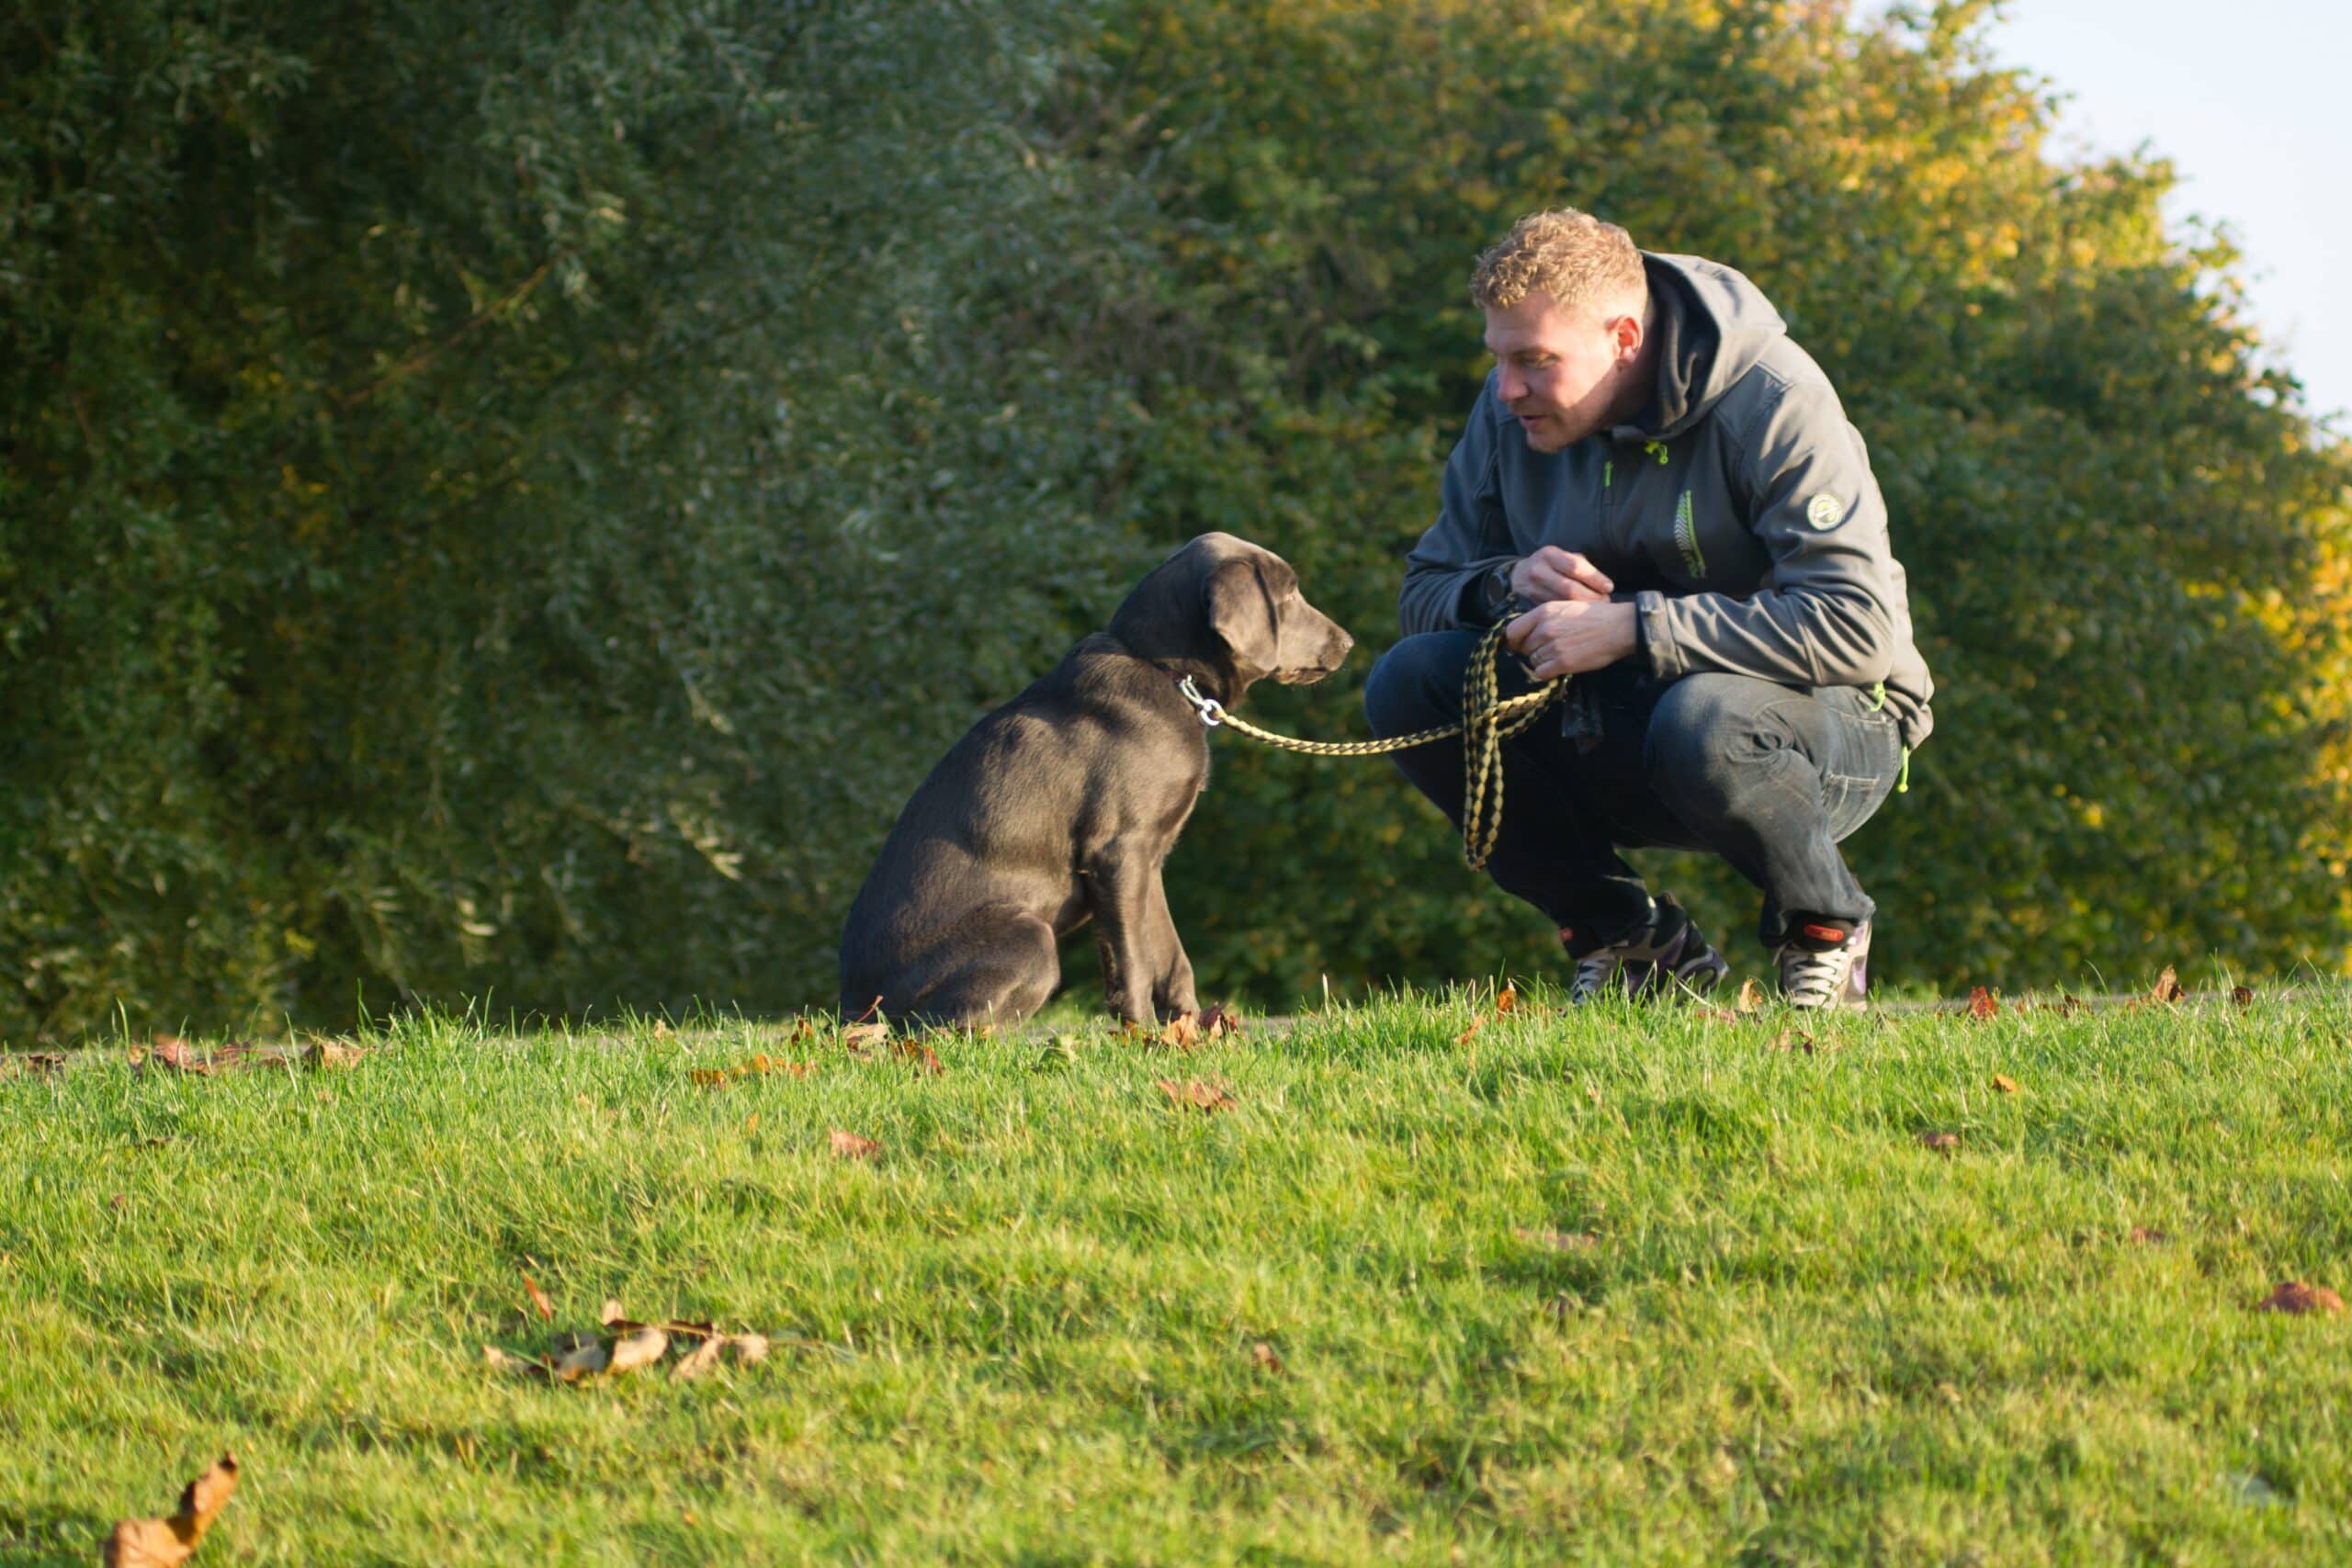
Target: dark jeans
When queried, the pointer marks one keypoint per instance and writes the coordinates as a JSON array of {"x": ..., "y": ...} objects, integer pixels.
[{"x": 1769, "y": 777}]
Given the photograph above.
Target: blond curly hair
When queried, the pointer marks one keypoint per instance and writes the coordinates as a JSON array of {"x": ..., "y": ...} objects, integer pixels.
[{"x": 1570, "y": 255}]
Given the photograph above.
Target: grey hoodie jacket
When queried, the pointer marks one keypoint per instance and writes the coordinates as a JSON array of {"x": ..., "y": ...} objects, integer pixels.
[{"x": 1738, "y": 512}]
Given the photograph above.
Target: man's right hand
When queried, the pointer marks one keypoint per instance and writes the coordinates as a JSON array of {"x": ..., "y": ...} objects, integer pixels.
[{"x": 1554, "y": 573}]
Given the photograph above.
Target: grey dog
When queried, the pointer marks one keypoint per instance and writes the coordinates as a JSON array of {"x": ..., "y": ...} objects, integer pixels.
[{"x": 1061, "y": 805}]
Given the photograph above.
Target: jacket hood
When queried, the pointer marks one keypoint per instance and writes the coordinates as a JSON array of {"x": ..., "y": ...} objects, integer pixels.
[{"x": 1713, "y": 326}]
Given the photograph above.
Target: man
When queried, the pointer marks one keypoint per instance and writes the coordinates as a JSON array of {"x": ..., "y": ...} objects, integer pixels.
[{"x": 1660, "y": 492}]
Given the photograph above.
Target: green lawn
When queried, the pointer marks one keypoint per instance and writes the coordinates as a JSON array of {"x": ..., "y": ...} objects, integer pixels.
[{"x": 1625, "y": 1286}]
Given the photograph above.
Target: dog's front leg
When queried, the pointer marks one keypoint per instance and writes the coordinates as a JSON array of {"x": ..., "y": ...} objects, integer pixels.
[
  {"x": 1172, "y": 971},
  {"x": 1141, "y": 957}
]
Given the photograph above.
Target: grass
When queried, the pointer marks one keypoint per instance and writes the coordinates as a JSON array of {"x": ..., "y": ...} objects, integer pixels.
[{"x": 1625, "y": 1287}]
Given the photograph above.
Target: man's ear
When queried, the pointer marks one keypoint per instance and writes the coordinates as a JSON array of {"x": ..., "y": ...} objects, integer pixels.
[{"x": 1242, "y": 613}]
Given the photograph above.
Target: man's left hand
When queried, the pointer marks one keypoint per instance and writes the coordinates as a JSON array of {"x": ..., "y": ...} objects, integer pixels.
[{"x": 1571, "y": 637}]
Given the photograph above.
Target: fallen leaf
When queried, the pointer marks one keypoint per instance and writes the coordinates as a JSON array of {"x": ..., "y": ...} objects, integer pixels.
[
  {"x": 1218, "y": 1021},
  {"x": 1262, "y": 1354},
  {"x": 641, "y": 1348},
  {"x": 1793, "y": 1040},
  {"x": 1559, "y": 1241},
  {"x": 1199, "y": 1096},
  {"x": 120, "y": 1202},
  {"x": 749, "y": 1349},
  {"x": 660, "y": 1029},
  {"x": 2005, "y": 1084},
  {"x": 1948, "y": 1392},
  {"x": 162, "y": 1544},
  {"x": 611, "y": 1311},
  {"x": 1943, "y": 1142},
  {"x": 2141, "y": 1236},
  {"x": 1506, "y": 1001},
  {"x": 330, "y": 1054},
  {"x": 1182, "y": 1032},
  {"x": 696, "y": 1361},
  {"x": 916, "y": 1051},
  {"x": 2294, "y": 1296},
  {"x": 41, "y": 1063},
  {"x": 2168, "y": 987},
  {"x": 1981, "y": 1005},
  {"x": 2242, "y": 995},
  {"x": 1718, "y": 1015},
  {"x": 858, "y": 1038},
  {"x": 802, "y": 1029},
  {"x": 513, "y": 1366},
  {"x": 849, "y": 1145},
  {"x": 173, "y": 1053},
  {"x": 581, "y": 1361},
  {"x": 750, "y": 1123},
  {"x": 1471, "y": 1034},
  {"x": 538, "y": 1298},
  {"x": 1750, "y": 997},
  {"x": 707, "y": 1077}
]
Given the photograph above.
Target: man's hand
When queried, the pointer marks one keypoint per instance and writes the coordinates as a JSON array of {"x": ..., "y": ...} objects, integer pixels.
[
  {"x": 1569, "y": 638},
  {"x": 1553, "y": 573}
]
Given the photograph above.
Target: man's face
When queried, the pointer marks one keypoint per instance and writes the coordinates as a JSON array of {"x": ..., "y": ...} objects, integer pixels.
[{"x": 1561, "y": 367}]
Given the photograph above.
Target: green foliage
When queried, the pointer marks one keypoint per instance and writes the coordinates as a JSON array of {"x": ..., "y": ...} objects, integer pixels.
[{"x": 511, "y": 502}]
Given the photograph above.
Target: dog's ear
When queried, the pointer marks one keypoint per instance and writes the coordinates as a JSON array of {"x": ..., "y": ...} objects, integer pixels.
[{"x": 1242, "y": 607}]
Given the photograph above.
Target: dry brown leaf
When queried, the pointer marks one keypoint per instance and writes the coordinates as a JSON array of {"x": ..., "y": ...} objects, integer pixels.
[
  {"x": 1471, "y": 1034},
  {"x": 916, "y": 1051},
  {"x": 749, "y": 1349},
  {"x": 1182, "y": 1032},
  {"x": 2168, "y": 987},
  {"x": 2004, "y": 1084},
  {"x": 1507, "y": 1002},
  {"x": 1559, "y": 1241},
  {"x": 1196, "y": 1095},
  {"x": 330, "y": 1054},
  {"x": 1942, "y": 1141},
  {"x": 499, "y": 1361},
  {"x": 171, "y": 1052},
  {"x": 2242, "y": 995},
  {"x": 1262, "y": 1355},
  {"x": 1750, "y": 997},
  {"x": 2069, "y": 1005},
  {"x": 696, "y": 1361},
  {"x": 163, "y": 1543},
  {"x": 802, "y": 1029},
  {"x": 2294, "y": 1296},
  {"x": 1218, "y": 1021},
  {"x": 1981, "y": 1005},
  {"x": 539, "y": 1298},
  {"x": 581, "y": 1361},
  {"x": 859, "y": 1038},
  {"x": 1717, "y": 1015},
  {"x": 2142, "y": 1237},
  {"x": 849, "y": 1145},
  {"x": 750, "y": 1123},
  {"x": 707, "y": 1077},
  {"x": 641, "y": 1348},
  {"x": 1793, "y": 1040}
]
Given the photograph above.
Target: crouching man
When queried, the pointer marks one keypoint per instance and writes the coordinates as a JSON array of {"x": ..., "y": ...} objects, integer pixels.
[{"x": 1658, "y": 490}]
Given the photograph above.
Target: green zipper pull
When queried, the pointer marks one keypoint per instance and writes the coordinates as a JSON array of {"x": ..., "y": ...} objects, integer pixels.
[
  {"x": 1903, "y": 779},
  {"x": 1608, "y": 472},
  {"x": 1878, "y": 698},
  {"x": 1657, "y": 449}
]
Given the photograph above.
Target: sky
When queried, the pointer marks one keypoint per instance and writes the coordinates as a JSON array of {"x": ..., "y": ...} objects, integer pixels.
[{"x": 2252, "y": 102}]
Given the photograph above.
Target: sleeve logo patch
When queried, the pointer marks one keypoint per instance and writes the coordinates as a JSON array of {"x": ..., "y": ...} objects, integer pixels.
[{"x": 1824, "y": 512}]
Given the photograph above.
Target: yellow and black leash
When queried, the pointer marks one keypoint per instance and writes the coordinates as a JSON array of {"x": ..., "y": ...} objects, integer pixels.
[{"x": 1487, "y": 720}]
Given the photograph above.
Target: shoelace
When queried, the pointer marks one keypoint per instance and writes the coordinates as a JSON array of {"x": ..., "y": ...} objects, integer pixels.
[{"x": 1814, "y": 978}]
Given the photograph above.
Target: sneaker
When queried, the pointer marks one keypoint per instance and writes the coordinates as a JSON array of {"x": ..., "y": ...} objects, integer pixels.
[
  {"x": 1823, "y": 964},
  {"x": 1667, "y": 955}
]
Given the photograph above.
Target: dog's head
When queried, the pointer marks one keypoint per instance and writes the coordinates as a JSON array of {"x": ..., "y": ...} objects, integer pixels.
[{"x": 1234, "y": 606}]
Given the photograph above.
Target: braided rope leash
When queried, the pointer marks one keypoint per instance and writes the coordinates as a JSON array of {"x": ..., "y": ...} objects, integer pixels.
[{"x": 1487, "y": 720}]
